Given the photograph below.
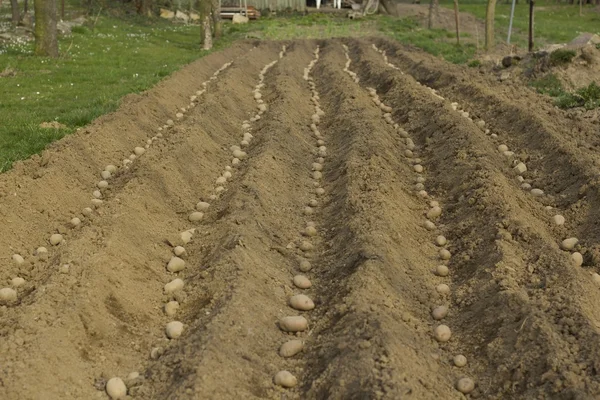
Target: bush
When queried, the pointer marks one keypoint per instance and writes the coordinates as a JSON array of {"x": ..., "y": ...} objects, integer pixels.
[{"x": 561, "y": 56}]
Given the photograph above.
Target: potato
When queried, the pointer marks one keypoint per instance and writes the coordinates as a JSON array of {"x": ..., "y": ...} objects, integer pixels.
[
  {"x": 202, "y": 206},
  {"x": 116, "y": 389},
  {"x": 132, "y": 157},
  {"x": 577, "y": 259},
  {"x": 239, "y": 154},
  {"x": 105, "y": 174},
  {"x": 42, "y": 253},
  {"x": 423, "y": 194},
  {"x": 313, "y": 203},
  {"x": 301, "y": 302},
  {"x": 87, "y": 211},
  {"x": 174, "y": 329},
  {"x": 465, "y": 385},
  {"x": 317, "y": 175},
  {"x": 291, "y": 348},
  {"x": 56, "y": 239},
  {"x": 285, "y": 379},
  {"x": 257, "y": 96},
  {"x": 97, "y": 202},
  {"x": 221, "y": 180},
  {"x": 442, "y": 270},
  {"x": 445, "y": 254},
  {"x": 111, "y": 168},
  {"x": 537, "y": 192},
  {"x": 175, "y": 264},
  {"x": 440, "y": 240},
  {"x": 520, "y": 168},
  {"x": 306, "y": 246},
  {"x": 408, "y": 153},
  {"x": 442, "y": 333},
  {"x": 460, "y": 360},
  {"x": 171, "y": 308},
  {"x": 139, "y": 151},
  {"x": 302, "y": 282},
  {"x": 179, "y": 251},
  {"x": 320, "y": 191},
  {"x": 419, "y": 187},
  {"x": 8, "y": 295},
  {"x": 502, "y": 148},
  {"x": 443, "y": 289},
  {"x": 439, "y": 312},
  {"x": 196, "y": 216},
  {"x": 308, "y": 210},
  {"x": 569, "y": 243},
  {"x": 262, "y": 108},
  {"x": 227, "y": 175},
  {"x": 17, "y": 282},
  {"x": 173, "y": 286},
  {"x": 292, "y": 324},
  {"x": 310, "y": 231},
  {"x": 525, "y": 186},
  {"x": 186, "y": 236},
  {"x": 235, "y": 161},
  {"x": 418, "y": 168},
  {"x": 558, "y": 219},
  {"x": 97, "y": 194},
  {"x": 434, "y": 212},
  {"x": 317, "y": 167},
  {"x": 430, "y": 226},
  {"x": 305, "y": 266},
  {"x": 75, "y": 222},
  {"x": 18, "y": 259}
]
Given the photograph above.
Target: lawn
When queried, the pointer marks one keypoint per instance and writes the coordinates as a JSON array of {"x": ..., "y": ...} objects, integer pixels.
[{"x": 554, "y": 23}]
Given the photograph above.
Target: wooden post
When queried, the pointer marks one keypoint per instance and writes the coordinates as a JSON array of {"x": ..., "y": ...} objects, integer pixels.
[
  {"x": 531, "y": 4},
  {"x": 456, "y": 20},
  {"x": 62, "y": 10}
]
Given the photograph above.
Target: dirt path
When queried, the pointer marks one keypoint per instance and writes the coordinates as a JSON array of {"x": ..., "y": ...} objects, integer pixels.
[{"x": 325, "y": 182}]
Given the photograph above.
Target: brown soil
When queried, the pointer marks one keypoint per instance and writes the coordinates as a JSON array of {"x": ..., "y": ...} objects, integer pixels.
[{"x": 520, "y": 311}]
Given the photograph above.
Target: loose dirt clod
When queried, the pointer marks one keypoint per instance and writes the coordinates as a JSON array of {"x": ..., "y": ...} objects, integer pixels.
[
  {"x": 293, "y": 324},
  {"x": 301, "y": 302},
  {"x": 442, "y": 333},
  {"x": 285, "y": 379},
  {"x": 116, "y": 389},
  {"x": 291, "y": 348},
  {"x": 174, "y": 329},
  {"x": 302, "y": 282}
]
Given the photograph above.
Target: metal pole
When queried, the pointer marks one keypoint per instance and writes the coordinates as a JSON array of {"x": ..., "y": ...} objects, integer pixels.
[
  {"x": 531, "y": 4},
  {"x": 512, "y": 15}
]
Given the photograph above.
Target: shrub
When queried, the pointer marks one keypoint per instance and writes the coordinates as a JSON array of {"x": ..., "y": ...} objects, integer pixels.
[{"x": 561, "y": 56}]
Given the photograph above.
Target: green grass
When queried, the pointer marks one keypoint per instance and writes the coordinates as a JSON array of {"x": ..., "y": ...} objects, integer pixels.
[
  {"x": 438, "y": 42},
  {"x": 548, "y": 84},
  {"x": 97, "y": 67},
  {"x": 562, "y": 56},
  {"x": 554, "y": 23}
]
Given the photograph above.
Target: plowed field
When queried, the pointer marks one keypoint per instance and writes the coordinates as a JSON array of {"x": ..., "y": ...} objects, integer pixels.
[{"x": 420, "y": 210}]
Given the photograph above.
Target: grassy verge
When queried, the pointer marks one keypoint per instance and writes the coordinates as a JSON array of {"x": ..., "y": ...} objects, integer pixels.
[{"x": 554, "y": 23}]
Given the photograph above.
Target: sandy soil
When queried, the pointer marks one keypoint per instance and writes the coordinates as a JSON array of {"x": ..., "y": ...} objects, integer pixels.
[{"x": 521, "y": 310}]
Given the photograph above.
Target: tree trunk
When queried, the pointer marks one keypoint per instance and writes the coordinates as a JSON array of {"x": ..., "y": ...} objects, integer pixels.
[
  {"x": 434, "y": 12},
  {"x": 216, "y": 18},
  {"x": 46, "y": 43},
  {"x": 207, "y": 33},
  {"x": 388, "y": 6},
  {"x": 489, "y": 24},
  {"x": 26, "y": 7},
  {"x": 15, "y": 12}
]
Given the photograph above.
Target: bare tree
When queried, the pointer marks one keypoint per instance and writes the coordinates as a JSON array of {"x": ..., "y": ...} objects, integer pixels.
[
  {"x": 489, "y": 24},
  {"x": 46, "y": 43}
]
